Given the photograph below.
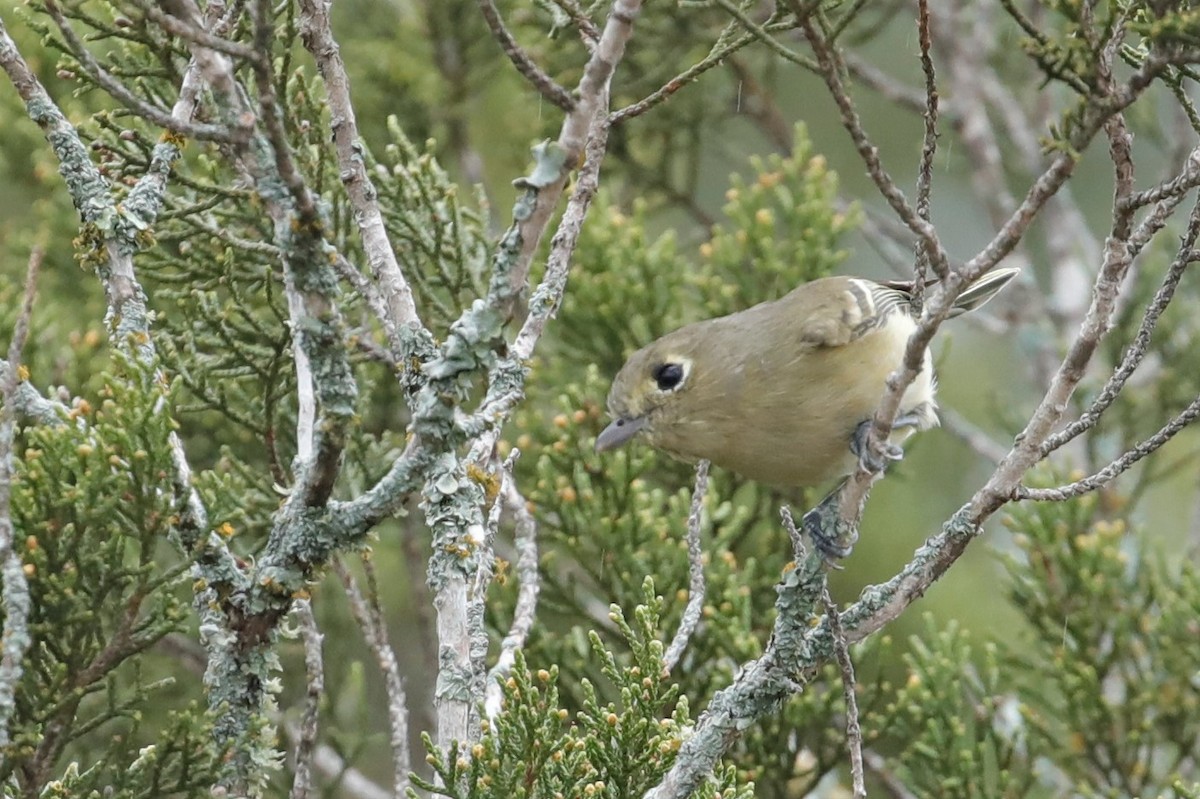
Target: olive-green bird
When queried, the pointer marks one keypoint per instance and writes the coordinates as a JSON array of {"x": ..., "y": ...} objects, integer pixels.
[{"x": 780, "y": 392}]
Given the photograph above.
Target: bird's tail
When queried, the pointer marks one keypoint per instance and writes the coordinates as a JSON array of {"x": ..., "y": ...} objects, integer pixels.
[{"x": 982, "y": 290}]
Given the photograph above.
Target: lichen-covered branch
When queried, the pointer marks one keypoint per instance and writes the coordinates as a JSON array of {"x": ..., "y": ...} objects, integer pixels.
[
  {"x": 29, "y": 405},
  {"x": 544, "y": 187},
  {"x": 14, "y": 589},
  {"x": 761, "y": 686}
]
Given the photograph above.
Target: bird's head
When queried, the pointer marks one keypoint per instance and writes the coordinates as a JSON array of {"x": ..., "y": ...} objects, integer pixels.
[{"x": 650, "y": 392}]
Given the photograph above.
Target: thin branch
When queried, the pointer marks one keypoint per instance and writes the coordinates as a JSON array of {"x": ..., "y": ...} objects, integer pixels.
[
  {"x": 972, "y": 435},
  {"x": 928, "y": 149},
  {"x": 14, "y": 588},
  {"x": 212, "y": 39},
  {"x": 720, "y": 51},
  {"x": 830, "y": 68},
  {"x": 1187, "y": 179},
  {"x": 121, "y": 93},
  {"x": 696, "y": 583},
  {"x": 1140, "y": 345},
  {"x": 877, "y": 765},
  {"x": 529, "y": 581},
  {"x": 351, "y": 782},
  {"x": 763, "y": 35},
  {"x": 369, "y": 615},
  {"x": 314, "y": 670},
  {"x": 520, "y": 59},
  {"x": 1100, "y": 478},
  {"x": 799, "y": 549},
  {"x": 317, "y": 36},
  {"x": 849, "y": 687},
  {"x": 579, "y": 18}
]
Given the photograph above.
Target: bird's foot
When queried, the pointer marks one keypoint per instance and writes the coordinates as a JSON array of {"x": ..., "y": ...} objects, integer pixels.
[
  {"x": 871, "y": 461},
  {"x": 833, "y": 538}
]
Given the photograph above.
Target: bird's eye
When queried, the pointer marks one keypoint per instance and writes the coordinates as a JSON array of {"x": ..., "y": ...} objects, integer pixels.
[{"x": 668, "y": 376}]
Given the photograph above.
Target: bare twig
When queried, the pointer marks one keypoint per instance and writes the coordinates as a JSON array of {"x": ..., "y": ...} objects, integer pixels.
[
  {"x": 314, "y": 670},
  {"x": 761, "y": 33},
  {"x": 350, "y": 781},
  {"x": 879, "y": 769},
  {"x": 1092, "y": 482},
  {"x": 696, "y": 585},
  {"x": 529, "y": 581},
  {"x": 14, "y": 588},
  {"x": 579, "y": 18},
  {"x": 970, "y": 434},
  {"x": 830, "y": 68},
  {"x": 212, "y": 39},
  {"x": 369, "y": 615},
  {"x": 849, "y": 688},
  {"x": 722, "y": 49},
  {"x": 928, "y": 148},
  {"x": 520, "y": 59}
]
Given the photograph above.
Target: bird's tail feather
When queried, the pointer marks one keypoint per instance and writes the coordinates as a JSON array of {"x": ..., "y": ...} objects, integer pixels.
[{"x": 982, "y": 290}]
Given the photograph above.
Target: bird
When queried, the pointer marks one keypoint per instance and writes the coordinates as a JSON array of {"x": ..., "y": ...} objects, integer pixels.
[{"x": 783, "y": 392}]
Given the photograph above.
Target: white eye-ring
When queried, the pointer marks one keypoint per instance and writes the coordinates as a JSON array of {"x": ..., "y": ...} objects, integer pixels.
[{"x": 671, "y": 374}]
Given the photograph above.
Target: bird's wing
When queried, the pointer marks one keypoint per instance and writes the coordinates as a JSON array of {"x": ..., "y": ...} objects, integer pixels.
[{"x": 849, "y": 314}]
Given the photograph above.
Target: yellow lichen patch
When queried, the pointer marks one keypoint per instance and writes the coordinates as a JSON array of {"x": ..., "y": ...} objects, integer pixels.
[{"x": 489, "y": 480}]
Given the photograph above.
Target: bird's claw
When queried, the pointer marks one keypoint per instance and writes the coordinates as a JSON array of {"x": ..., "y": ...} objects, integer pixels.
[
  {"x": 833, "y": 538},
  {"x": 871, "y": 461}
]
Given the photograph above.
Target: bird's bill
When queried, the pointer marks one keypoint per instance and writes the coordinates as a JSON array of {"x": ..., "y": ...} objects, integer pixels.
[{"x": 618, "y": 433}]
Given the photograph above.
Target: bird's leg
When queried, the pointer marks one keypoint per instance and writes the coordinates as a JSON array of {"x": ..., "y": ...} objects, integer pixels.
[{"x": 832, "y": 537}]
